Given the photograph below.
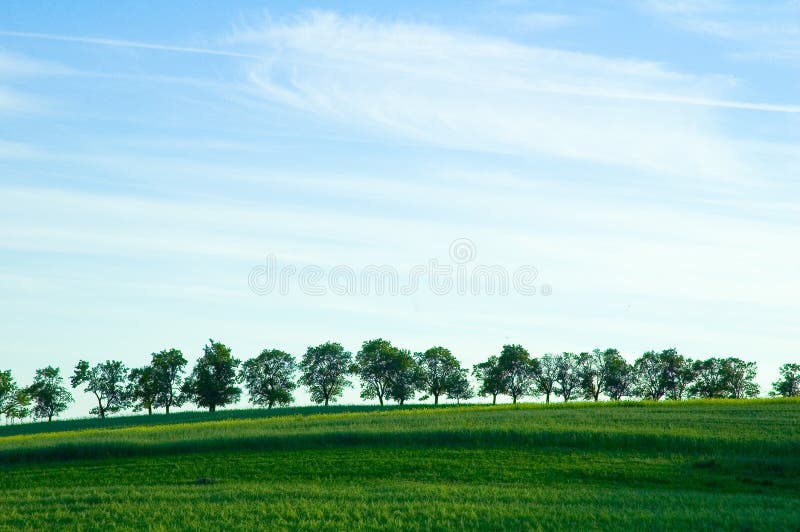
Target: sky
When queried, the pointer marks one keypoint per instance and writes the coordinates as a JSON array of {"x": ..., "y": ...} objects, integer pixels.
[{"x": 162, "y": 164}]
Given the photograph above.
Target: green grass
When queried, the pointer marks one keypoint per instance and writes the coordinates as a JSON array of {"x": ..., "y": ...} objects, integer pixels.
[{"x": 694, "y": 465}]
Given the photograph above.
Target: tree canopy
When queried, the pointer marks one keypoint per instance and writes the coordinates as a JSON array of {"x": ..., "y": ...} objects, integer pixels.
[
  {"x": 518, "y": 371},
  {"x": 269, "y": 378},
  {"x": 439, "y": 372},
  {"x": 212, "y": 382},
  {"x": 107, "y": 382},
  {"x": 48, "y": 393},
  {"x": 324, "y": 371}
]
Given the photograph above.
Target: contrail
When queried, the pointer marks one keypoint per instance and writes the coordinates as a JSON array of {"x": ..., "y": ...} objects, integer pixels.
[
  {"x": 574, "y": 91},
  {"x": 125, "y": 44},
  {"x": 667, "y": 98}
]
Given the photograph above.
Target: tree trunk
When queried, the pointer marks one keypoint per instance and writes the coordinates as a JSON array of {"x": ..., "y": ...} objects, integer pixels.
[
  {"x": 149, "y": 410},
  {"x": 50, "y": 418},
  {"x": 514, "y": 399},
  {"x": 436, "y": 399},
  {"x": 212, "y": 408},
  {"x": 494, "y": 398},
  {"x": 547, "y": 398},
  {"x": 326, "y": 401},
  {"x": 380, "y": 398},
  {"x": 167, "y": 408}
]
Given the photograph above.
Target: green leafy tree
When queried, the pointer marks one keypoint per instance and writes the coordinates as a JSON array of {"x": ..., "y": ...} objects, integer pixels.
[
  {"x": 407, "y": 377},
  {"x": 324, "y": 371},
  {"x": 168, "y": 367},
  {"x": 14, "y": 402},
  {"x": 594, "y": 371},
  {"x": 8, "y": 389},
  {"x": 652, "y": 379},
  {"x": 548, "y": 375},
  {"x": 664, "y": 374},
  {"x": 739, "y": 378},
  {"x": 49, "y": 396},
  {"x": 491, "y": 378},
  {"x": 142, "y": 388},
  {"x": 212, "y": 382},
  {"x": 269, "y": 378},
  {"x": 679, "y": 374},
  {"x": 440, "y": 371},
  {"x": 788, "y": 385},
  {"x": 519, "y": 371},
  {"x": 18, "y": 406},
  {"x": 461, "y": 389},
  {"x": 620, "y": 380},
  {"x": 568, "y": 377},
  {"x": 709, "y": 379},
  {"x": 107, "y": 382},
  {"x": 724, "y": 378},
  {"x": 377, "y": 365}
]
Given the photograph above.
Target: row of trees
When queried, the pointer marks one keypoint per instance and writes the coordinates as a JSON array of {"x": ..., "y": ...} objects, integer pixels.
[{"x": 386, "y": 373}]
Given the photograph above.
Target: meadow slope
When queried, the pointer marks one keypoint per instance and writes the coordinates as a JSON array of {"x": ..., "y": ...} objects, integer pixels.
[{"x": 696, "y": 464}]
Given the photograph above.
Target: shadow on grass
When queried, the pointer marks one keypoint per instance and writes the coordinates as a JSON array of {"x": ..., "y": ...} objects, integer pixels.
[{"x": 479, "y": 438}]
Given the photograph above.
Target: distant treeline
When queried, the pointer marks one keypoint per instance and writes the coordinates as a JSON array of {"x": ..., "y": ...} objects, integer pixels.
[{"x": 386, "y": 373}]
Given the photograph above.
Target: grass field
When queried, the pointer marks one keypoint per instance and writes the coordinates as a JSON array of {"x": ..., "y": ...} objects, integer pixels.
[{"x": 692, "y": 465}]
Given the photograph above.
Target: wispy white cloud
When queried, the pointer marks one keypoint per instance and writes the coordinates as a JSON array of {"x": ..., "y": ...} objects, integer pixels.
[
  {"x": 767, "y": 29},
  {"x": 12, "y": 67},
  {"x": 16, "y": 150},
  {"x": 14, "y": 101},
  {"x": 537, "y": 21},
  {"x": 472, "y": 92},
  {"x": 647, "y": 250},
  {"x": 118, "y": 43},
  {"x": 15, "y": 65}
]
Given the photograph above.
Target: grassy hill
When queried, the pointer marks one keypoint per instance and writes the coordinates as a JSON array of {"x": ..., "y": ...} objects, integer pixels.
[{"x": 696, "y": 464}]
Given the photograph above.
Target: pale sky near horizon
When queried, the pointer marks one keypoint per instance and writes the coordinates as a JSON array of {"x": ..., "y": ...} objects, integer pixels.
[{"x": 643, "y": 156}]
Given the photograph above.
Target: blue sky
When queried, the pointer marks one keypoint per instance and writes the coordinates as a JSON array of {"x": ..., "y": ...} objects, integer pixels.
[{"x": 642, "y": 156}]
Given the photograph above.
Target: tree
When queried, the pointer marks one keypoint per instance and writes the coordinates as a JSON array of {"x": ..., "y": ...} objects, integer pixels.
[
  {"x": 651, "y": 376},
  {"x": 14, "y": 402},
  {"x": 440, "y": 371},
  {"x": 739, "y": 378},
  {"x": 107, "y": 382},
  {"x": 8, "y": 389},
  {"x": 664, "y": 374},
  {"x": 709, "y": 381},
  {"x": 49, "y": 396},
  {"x": 377, "y": 365},
  {"x": 568, "y": 377},
  {"x": 789, "y": 383},
  {"x": 461, "y": 388},
  {"x": 620, "y": 380},
  {"x": 491, "y": 379},
  {"x": 18, "y": 406},
  {"x": 679, "y": 374},
  {"x": 324, "y": 371},
  {"x": 594, "y": 371},
  {"x": 168, "y": 367},
  {"x": 547, "y": 376},
  {"x": 724, "y": 377},
  {"x": 407, "y": 378},
  {"x": 212, "y": 382},
  {"x": 519, "y": 371},
  {"x": 270, "y": 378},
  {"x": 142, "y": 388}
]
